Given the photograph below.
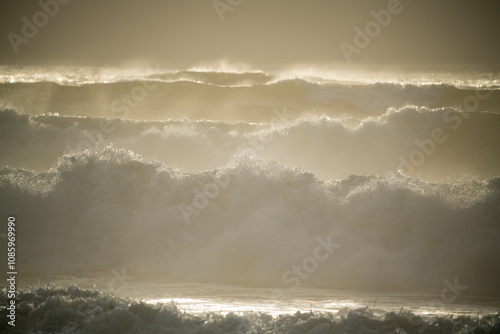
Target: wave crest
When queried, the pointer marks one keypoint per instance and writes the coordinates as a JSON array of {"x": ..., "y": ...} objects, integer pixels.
[{"x": 110, "y": 208}]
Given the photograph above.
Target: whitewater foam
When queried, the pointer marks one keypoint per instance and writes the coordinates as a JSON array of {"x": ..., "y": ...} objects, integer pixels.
[
  {"x": 241, "y": 178},
  {"x": 73, "y": 310},
  {"x": 110, "y": 208},
  {"x": 329, "y": 147}
]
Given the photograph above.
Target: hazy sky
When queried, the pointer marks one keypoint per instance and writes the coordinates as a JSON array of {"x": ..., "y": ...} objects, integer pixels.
[{"x": 260, "y": 32}]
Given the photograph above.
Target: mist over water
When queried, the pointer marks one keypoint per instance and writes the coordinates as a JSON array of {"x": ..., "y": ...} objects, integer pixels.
[
  {"x": 199, "y": 119},
  {"x": 236, "y": 177},
  {"x": 233, "y": 166},
  {"x": 111, "y": 208}
]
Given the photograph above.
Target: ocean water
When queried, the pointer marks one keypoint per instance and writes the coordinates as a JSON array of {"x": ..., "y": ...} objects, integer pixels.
[{"x": 243, "y": 201}]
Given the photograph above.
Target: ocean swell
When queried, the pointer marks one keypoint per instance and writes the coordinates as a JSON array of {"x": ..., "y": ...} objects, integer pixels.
[{"x": 111, "y": 208}]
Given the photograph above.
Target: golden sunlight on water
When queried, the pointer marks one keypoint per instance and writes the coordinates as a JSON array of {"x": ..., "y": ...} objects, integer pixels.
[{"x": 235, "y": 166}]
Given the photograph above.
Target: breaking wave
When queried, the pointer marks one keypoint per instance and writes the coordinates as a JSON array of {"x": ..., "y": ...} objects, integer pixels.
[
  {"x": 73, "y": 310},
  {"x": 234, "y": 97},
  {"x": 466, "y": 146},
  {"x": 249, "y": 222},
  {"x": 252, "y": 180}
]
